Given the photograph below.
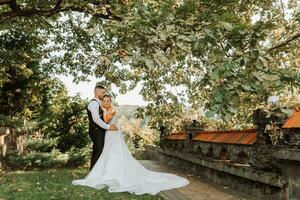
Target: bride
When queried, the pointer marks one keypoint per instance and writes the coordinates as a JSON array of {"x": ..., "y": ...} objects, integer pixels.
[{"x": 117, "y": 169}]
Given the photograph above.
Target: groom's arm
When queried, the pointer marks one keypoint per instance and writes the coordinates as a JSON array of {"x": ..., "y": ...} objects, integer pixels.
[{"x": 94, "y": 108}]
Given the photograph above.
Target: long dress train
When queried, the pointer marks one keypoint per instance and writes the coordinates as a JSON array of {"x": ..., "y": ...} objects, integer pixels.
[{"x": 117, "y": 169}]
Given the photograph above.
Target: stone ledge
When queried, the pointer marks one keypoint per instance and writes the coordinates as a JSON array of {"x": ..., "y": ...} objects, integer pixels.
[
  {"x": 284, "y": 153},
  {"x": 268, "y": 178}
]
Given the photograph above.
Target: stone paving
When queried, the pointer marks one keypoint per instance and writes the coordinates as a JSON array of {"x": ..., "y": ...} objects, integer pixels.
[{"x": 198, "y": 189}]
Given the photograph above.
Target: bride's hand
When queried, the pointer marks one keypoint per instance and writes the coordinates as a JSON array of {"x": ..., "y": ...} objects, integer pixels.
[{"x": 113, "y": 127}]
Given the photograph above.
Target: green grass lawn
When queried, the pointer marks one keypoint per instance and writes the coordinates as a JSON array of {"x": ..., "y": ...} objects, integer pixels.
[{"x": 55, "y": 184}]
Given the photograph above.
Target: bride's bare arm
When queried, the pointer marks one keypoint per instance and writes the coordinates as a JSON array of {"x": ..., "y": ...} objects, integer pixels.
[{"x": 108, "y": 115}]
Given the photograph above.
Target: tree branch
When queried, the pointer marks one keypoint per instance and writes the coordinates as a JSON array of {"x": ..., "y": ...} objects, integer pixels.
[
  {"x": 27, "y": 12},
  {"x": 286, "y": 42}
]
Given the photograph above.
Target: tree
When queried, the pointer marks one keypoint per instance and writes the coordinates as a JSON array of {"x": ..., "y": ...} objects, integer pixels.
[
  {"x": 224, "y": 60},
  {"x": 22, "y": 80}
]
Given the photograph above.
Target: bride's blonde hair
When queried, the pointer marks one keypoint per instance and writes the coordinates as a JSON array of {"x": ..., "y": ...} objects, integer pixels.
[{"x": 107, "y": 96}]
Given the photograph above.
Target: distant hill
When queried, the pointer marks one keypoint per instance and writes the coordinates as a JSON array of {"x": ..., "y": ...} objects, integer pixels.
[{"x": 128, "y": 112}]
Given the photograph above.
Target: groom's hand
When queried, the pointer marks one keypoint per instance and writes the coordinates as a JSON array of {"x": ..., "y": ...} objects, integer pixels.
[{"x": 113, "y": 127}]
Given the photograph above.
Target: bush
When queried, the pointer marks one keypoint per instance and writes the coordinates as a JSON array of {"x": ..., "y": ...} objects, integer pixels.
[
  {"x": 43, "y": 160},
  {"x": 36, "y": 160},
  {"x": 43, "y": 154},
  {"x": 41, "y": 145},
  {"x": 78, "y": 157},
  {"x": 69, "y": 123}
]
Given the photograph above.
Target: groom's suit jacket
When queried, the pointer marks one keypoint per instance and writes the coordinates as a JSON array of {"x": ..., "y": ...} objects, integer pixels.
[{"x": 96, "y": 132}]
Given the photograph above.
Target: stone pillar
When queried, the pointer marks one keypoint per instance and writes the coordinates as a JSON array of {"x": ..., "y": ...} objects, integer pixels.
[
  {"x": 192, "y": 129},
  {"x": 260, "y": 120},
  {"x": 261, "y": 156}
]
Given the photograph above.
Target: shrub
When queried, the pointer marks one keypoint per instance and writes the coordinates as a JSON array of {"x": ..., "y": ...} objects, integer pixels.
[
  {"x": 41, "y": 144},
  {"x": 78, "y": 157},
  {"x": 36, "y": 160}
]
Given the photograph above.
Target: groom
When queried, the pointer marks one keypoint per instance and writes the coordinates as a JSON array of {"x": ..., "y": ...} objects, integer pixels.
[{"x": 97, "y": 127}]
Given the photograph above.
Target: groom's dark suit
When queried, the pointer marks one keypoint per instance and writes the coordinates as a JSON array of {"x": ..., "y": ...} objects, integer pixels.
[{"x": 97, "y": 135}]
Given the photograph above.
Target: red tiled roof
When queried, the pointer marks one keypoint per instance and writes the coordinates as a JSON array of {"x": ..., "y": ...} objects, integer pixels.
[
  {"x": 177, "y": 136},
  {"x": 293, "y": 121},
  {"x": 246, "y": 137}
]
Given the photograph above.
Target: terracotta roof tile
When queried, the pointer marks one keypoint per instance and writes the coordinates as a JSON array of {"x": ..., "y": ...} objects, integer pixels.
[
  {"x": 177, "y": 136},
  {"x": 246, "y": 137},
  {"x": 293, "y": 121}
]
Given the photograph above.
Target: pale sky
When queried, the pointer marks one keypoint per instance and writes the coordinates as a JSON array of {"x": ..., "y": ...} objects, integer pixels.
[{"x": 86, "y": 90}]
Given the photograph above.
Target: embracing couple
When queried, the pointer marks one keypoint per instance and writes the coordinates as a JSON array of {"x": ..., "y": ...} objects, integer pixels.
[{"x": 112, "y": 164}]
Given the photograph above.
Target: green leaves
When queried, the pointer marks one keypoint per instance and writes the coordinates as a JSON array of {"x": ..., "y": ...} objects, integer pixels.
[
  {"x": 227, "y": 26},
  {"x": 247, "y": 88},
  {"x": 216, "y": 52}
]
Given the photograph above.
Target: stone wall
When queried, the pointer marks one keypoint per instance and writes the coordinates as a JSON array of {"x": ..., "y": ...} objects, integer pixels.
[
  {"x": 290, "y": 170},
  {"x": 262, "y": 185},
  {"x": 234, "y": 153},
  {"x": 262, "y": 170},
  {"x": 263, "y": 162}
]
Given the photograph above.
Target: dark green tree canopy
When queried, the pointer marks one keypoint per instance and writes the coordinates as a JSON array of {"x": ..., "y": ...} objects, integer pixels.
[{"x": 228, "y": 56}]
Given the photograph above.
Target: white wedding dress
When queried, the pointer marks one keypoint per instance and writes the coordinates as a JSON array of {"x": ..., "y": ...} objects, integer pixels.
[{"x": 117, "y": 169}]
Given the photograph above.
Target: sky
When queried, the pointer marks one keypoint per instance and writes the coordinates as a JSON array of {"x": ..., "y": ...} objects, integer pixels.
[{"x": 86, "y": 89}]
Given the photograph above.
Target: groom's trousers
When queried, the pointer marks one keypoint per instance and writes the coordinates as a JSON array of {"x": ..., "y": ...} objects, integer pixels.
[{"x": 98, "y": 144}]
